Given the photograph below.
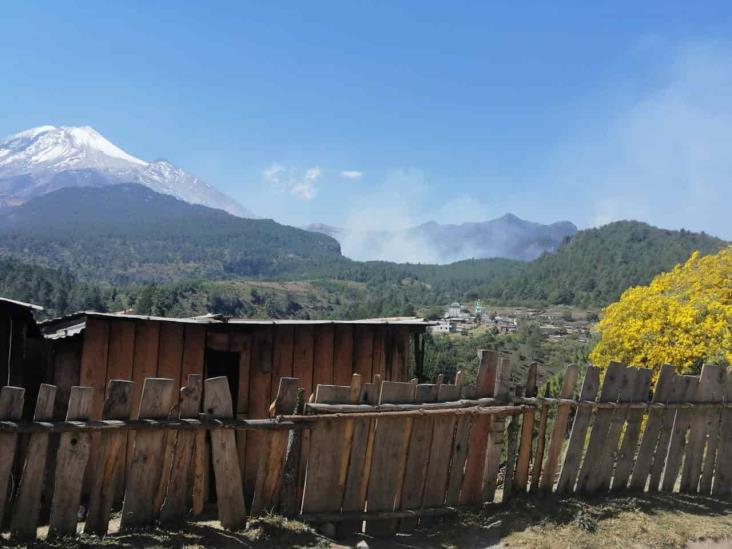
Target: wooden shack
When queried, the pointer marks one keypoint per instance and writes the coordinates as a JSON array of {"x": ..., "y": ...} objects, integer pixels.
[{"x": 91, "y": 348}]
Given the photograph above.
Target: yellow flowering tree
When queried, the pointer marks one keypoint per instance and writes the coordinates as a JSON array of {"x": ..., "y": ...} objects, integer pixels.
[{"x": 683, "y": 317}]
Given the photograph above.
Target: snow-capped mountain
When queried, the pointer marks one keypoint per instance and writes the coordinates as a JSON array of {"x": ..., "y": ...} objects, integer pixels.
[{"x": 48, "y": 158}]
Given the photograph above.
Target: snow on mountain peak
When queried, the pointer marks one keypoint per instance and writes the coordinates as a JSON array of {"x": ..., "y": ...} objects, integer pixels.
[{"x": 46, "y": 158}]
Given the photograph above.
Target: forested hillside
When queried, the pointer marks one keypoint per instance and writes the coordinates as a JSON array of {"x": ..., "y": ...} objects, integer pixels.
[
  {"x": 596, "y": 265},
  {"x": 130, "y": 234},
  {"x": 128, "y": 248}
]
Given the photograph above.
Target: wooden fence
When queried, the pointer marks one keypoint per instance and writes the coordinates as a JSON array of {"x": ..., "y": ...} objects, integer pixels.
[{"x": 383, "y": 456}]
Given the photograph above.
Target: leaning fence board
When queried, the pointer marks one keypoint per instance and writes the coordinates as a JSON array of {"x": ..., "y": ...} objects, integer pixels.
[
  {"x": 617, "y": 423},
  {"x": 714, "y": 416},
  {"x": 11, "y": 408},
  {"x": 418, "y": 456},
  {"x": 27, "y": 505},
  {"x": 587, "y": 480},
  {"x": 688, "y": 386},
  {"x": 676, "y": 395},
  {"x": 527, "y": 431},
  {"x": 110, "y": 465},
  {"x": 71, "y": 459},
  {"x": 560, "y": 428},
  {"x": 144, "y": 472},
  {"x": 178, "y": 487},
  {"x": 224, "y": 456},
  {"x": 722, "y": 484},
  {"x": 494, "y": 443},
  {"x": 273, "y": 451},
  {"x": 389, "y": 457},
  {"x": 577, "y": 438},
  {"x": 359, "y": 469},
  {"x": 627, "y": 454},
  {"x": 706, "y": 391},
  {"x": 471, "y": 490},
  {"x": 653, "y": 430},
  {"x": 540, "y": 443}
]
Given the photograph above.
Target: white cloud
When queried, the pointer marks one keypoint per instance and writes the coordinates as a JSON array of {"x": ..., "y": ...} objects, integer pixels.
[
  {"x": 352, "y": 174},
  {"x": 290, "y": 180}
]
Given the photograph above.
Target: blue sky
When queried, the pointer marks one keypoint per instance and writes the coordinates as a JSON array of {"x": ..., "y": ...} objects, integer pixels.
[{"x": 377, "y": 114}]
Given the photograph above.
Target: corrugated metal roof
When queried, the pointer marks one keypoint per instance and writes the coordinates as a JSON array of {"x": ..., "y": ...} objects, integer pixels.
[
  {"x": 21, "y": 304},
  {"x": 65, "y": 326}
]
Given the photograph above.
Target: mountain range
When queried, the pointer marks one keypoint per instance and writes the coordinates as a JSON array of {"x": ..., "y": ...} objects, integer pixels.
[
  {"x": 44, "y": 159},
  {"x": 507, "y": 236}
]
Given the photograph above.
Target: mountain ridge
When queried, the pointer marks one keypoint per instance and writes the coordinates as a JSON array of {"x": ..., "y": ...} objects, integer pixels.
[
  {"x": 507, "y": 236},
  {"x": 47, "y": 158}
]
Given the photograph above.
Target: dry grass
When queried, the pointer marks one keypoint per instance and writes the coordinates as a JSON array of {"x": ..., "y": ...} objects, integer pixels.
[{"x": 659, "y": 521}]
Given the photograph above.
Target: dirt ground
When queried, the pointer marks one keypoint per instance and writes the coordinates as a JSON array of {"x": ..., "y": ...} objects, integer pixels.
[{"x": 693, "y": 522}]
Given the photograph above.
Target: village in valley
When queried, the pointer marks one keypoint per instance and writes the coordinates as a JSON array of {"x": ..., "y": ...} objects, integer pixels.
[{"x": 555, "y": 323}]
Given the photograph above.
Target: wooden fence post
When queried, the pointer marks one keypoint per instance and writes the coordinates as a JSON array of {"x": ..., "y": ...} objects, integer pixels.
[
  {"x": 71, "y": 459},
  {"x": 273, "y": 451},
  {"x": 178, "y": 489},
  {"x": 527, "y": 432},
  {"x": 145, "y": 470},
  {"x": 110, "y": 465},
  {"x": 28, "y": 501},
  {"x": 496, "y": 433},
  {"x": 224, "y": 455},
  {"x": 582, "y": 417},
  {"x": 11, "y": 409},
  {"x": 560, "y": 429}
]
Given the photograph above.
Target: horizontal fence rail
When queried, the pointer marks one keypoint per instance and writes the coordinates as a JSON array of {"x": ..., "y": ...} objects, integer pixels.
[{"x": 376, "y": 456}]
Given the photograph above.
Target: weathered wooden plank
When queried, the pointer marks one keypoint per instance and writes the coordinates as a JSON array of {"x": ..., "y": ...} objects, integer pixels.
[
  {"x": 170, "y": 362},
  {"x": 145, "y": 362},
  {"x": 273, "y": 453},
  {"x": 170, "y": 351},
  {"x": 241, "y": 342},
  {"x": 94, "y": 357},
  {"x": 418, "y": 457},
  {"x": 217, "y": 403},
  {"x": 303, "y": 352},
  {"x": 713, "y": 425},
  {"x": 323, "y": 355},
  {"x": 200, "y": 468},
  {"x": 71, "y": 459},
  {"x": 259, "y": 390},
  {"x": 627, "y": 455},
  {"x": 217, "y": 339},
  {"x": 27, "y": 503},
  {"x": 389, "y": 457},
  {"x": 121, "y": 349},
  {"x": 110, "y": 465},
  {"x": 11, "y": 408},
  {"x": 194, "y": 350},
  {"x": 472, "y": 488},
  {"x": 380, "y": 342},
  {"x": 282, "y": 365},
  {"x": 678, "y": 387},
  {"x": 707, "y": 391},
  {"x": 573, "y": 455},
  {"x": 722, "y": 484},
  {"x": 540, "y": 444},
  {"x": 359, "y": 469},
  {"x": 559, "y": 430},
  {"x": 459, "y": 452},
  {"x": 343, "y": 356},
  {"x": 145, "y": 468},
  {"x": 496, "y": 433},
  {"x": 587, "y": 480},
  {"x": 527, "y": 432},
  {"x": 363, "y": 350},
  {"x": 617, "y": 422},
  {"x": 688, "y": 386},
  {"x": 653, "y": 430},
  {"x": 178, "y": 488}
]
